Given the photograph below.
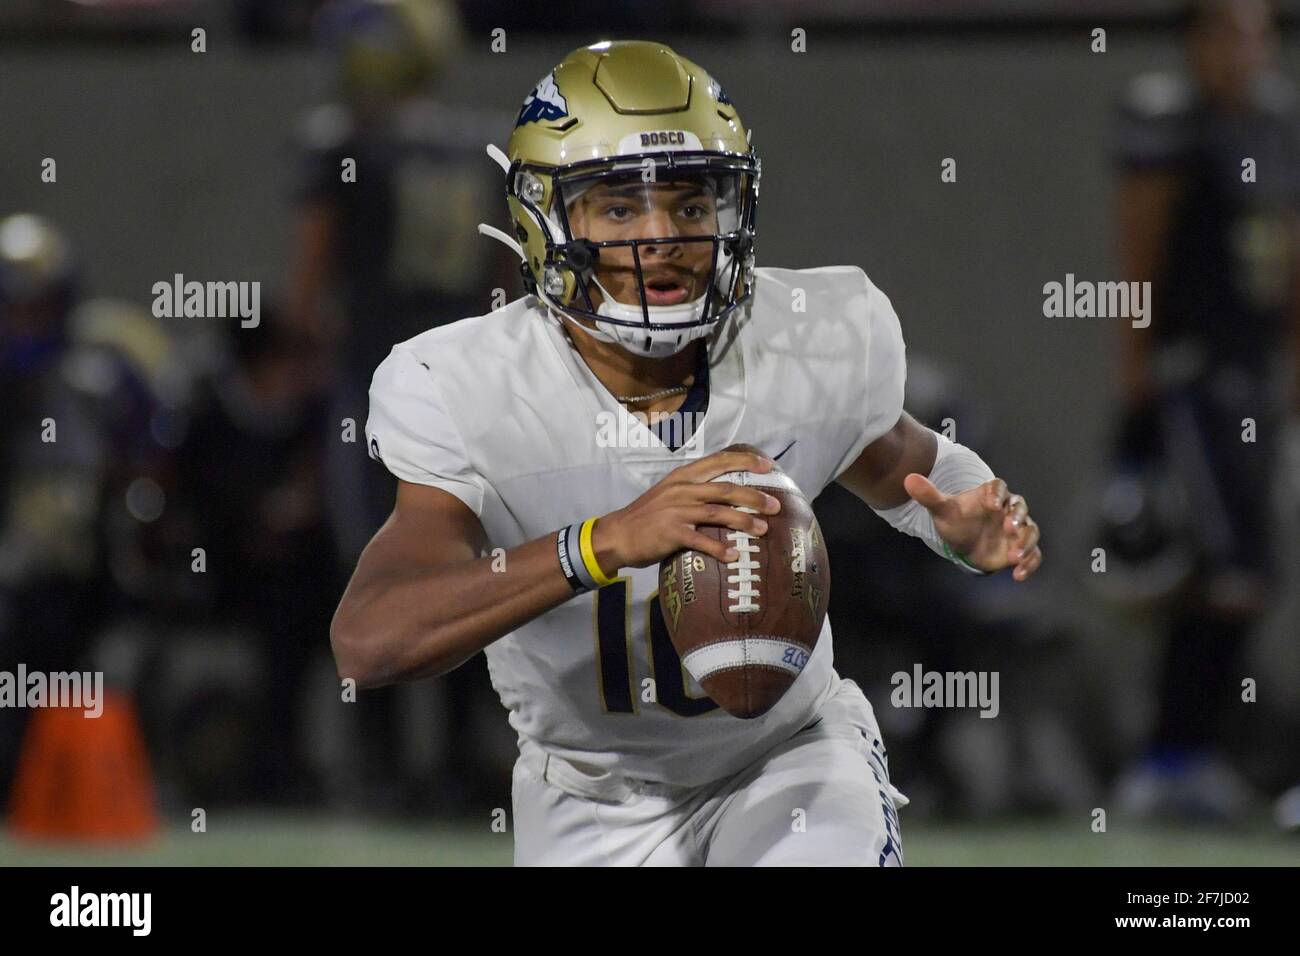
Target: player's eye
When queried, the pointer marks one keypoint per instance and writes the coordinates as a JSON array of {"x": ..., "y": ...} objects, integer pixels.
[{"x": 619, "y": 212}]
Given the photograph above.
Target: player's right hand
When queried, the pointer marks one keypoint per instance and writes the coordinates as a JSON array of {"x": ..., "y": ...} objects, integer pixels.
[{"x": 666, "y": 518}]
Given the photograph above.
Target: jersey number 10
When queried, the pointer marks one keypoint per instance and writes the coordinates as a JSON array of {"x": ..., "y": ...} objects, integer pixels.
[{"x": 614, "y": 656}]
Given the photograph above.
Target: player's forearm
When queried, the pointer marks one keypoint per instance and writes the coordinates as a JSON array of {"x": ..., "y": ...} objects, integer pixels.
[
  {"x": 396, "y": 625},
  {"x": 876, "y": 477}
]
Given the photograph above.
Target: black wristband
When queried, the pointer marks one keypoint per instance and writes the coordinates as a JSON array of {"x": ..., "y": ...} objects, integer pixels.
[{"x": 566, "y": 548}]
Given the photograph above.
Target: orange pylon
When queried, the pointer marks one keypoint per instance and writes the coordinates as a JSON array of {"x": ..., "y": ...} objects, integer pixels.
[{"x": 84, "y": 778}]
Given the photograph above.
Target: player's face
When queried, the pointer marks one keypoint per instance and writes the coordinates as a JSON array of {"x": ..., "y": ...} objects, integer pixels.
[{"x": 674, "y": 272}]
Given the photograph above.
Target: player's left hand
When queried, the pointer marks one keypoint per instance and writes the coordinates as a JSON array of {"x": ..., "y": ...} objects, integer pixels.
[{"x": 988, "y": 525}]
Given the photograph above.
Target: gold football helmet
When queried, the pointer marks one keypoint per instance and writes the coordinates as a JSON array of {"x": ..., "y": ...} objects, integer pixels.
[{"x": 630, "y": 152}]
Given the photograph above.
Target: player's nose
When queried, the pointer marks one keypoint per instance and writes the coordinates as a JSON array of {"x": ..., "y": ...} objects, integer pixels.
[{"x": 658, "y": 223}]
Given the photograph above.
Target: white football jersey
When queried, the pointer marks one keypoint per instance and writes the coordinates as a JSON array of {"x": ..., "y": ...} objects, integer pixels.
[{"x": 500, "y": 411}]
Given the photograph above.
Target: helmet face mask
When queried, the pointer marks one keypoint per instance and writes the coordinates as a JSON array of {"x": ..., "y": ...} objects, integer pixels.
[
  {"x": 656, "y": 243},
  {"x": 633, "y": 191}
]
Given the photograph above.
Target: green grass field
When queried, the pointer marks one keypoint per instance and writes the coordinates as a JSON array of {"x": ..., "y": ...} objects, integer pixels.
[{"x": 315, "y": 841}]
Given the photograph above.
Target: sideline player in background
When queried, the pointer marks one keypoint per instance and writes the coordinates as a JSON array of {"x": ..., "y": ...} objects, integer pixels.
[
  {"x": 389, "y": 242},
  {"x": 1220, "y": 248}
]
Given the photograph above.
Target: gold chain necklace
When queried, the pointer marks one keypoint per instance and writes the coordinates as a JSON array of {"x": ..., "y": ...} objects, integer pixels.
[{"x": 638, "y": 399}]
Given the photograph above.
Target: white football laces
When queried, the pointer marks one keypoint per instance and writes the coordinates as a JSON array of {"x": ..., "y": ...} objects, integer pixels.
[{"x": 746, "y": 591}]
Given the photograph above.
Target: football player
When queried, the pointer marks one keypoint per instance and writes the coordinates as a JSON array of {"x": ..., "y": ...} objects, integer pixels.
[
  {"x": 538, "y": 489},
  {"x": 394, "y": 250},
  {"x": 1220, "y": 249}
]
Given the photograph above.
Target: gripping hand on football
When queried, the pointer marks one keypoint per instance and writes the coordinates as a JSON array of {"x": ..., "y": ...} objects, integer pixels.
[
  {"x": 986, "y": 524},
  {"x": 667, "y": 517}
]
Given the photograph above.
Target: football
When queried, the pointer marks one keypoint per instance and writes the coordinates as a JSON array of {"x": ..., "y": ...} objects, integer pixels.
[{"x": 745, "y": 630}]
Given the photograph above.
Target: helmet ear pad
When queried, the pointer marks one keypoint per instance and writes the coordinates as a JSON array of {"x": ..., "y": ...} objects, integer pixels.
[{"x": 569, "y": 268}]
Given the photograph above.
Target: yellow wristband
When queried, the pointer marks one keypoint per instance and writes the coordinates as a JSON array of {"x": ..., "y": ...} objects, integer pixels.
[{"x": 589, "y": 554}]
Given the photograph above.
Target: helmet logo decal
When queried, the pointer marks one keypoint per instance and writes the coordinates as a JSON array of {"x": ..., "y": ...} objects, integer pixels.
[{"x": 544, "y": 103}]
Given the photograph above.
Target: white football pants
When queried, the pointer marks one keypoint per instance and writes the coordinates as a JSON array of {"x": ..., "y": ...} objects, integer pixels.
[{"x": 821, "y": 798}]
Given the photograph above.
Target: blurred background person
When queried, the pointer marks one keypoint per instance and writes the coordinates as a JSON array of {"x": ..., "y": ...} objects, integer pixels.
[
  {"x": 1190, "y": 504},
  {"x": 393, "y": 186},
  {"x": 81, "y": 474},
  {"x": 380, "y": 255},
  {"x": 250, "y": 476}
]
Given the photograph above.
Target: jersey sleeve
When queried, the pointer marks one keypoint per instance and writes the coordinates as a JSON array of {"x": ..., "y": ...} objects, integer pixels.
[
  {"x": 885, "y": 370},
  {"x": 411, "y": 434}
]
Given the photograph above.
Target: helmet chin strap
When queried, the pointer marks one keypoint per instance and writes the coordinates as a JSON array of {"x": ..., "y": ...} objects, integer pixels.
[
  {"x": 653, "y": 343},
  {"x": 663, "y": 314}
]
